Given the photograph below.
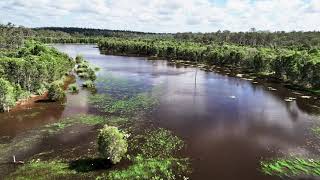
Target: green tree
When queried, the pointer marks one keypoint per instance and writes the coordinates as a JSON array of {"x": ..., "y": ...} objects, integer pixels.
[{"x": 7, "y": 96}]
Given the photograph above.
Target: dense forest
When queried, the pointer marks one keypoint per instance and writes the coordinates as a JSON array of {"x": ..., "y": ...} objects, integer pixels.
[
  {"x": 295, "y": 39},
  {"x": 33, "y": 68},
  {"x": 12, "y": 35}
]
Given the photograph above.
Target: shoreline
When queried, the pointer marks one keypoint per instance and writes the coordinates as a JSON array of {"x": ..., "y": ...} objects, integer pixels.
[
  {"x": 33, "y": 99},
  {"x": 229, "y": 71}
]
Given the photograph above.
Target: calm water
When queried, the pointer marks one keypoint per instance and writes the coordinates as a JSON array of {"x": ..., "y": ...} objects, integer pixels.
[{"x": 229, "y": 124}]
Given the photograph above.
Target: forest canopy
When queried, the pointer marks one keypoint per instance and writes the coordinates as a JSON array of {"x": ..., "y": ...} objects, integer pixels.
[{"x": 28, "y": 70}]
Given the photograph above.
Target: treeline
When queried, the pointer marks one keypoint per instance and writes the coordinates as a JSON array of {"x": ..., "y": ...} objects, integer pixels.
[
  {"x": 31, "y": 69},
  {"x": 89, "y": 32},
  {"x": 294, "y": 40},
  {"x": 12, "y": 36},
  {"x": 298, "y": 66}
]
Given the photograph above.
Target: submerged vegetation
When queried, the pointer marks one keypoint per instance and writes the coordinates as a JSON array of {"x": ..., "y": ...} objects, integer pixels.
[
  {"x": 148, "y": 162},
  {"x": 86, "y": 72},
  {"x": 151, "y": 168},
  {"x": 37, "y": 169},
  {"x": 151, "y": 154},
  {"x": 126, "y": 106},
  {"x": 295, "y": 167}
]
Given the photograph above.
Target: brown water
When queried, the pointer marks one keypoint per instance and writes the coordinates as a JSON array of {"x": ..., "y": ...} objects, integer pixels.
[{"x": 229, "y": 124}]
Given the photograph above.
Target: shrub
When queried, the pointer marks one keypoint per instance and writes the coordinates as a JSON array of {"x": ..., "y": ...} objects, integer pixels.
[
  {"x": 79, "y": 59},
  {"x": 55, "y": 92},
  {"x": 42, "y": 90},
  {"x": 91, "y": 74},
  {"x": 112, "y": 143},
  {"x": 7, "y": 96},
  {"x": 88, "y": 84},
  {"x": 73, "y": 88}
]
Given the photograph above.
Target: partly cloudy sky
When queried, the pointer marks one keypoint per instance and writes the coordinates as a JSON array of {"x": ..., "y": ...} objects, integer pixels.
[{"x": 165, "y": 15}]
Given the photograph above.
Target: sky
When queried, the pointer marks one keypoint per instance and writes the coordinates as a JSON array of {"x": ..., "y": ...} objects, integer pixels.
[{"x": 165, "y": 15}]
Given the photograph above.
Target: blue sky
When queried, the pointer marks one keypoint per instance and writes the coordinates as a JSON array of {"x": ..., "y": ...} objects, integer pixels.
[{"x": 166, "y": 15}]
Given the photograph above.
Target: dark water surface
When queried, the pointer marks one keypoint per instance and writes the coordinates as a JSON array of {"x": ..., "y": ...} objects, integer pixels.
[{"x": 229, "y": 124}]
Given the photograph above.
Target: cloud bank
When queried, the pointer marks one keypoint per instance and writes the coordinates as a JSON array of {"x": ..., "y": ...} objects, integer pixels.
[{"x": 166, "y": 15}]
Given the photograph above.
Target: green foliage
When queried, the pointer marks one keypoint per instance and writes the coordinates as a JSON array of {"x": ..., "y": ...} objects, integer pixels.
[
  {"x": 88, "y": 84},
  {"x": 291, "y": 167},
  {"x": 160, "y": 143},
  {"x": 73, "y": 88},
  {"x": 42, "y": 90},
  {"x": 80, "y": 119},
  {"x": 112, "y": 143},
  {"x": 42, "y": 170},
  {"x": 32, "y": 67},
  {"x": 85, "y": 71},
  {"x": 55, "y": 92},
  {"x": 140, "y": 103},
  {"x": 79, "y": 59},
  {"x": 153, "y": 163},
  {"x": 7, "y": 95},
  {"x": 146, "y": 169}
]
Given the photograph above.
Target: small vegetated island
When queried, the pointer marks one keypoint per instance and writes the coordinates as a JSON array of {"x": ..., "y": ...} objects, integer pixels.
[{"x": 121, "y": 149}]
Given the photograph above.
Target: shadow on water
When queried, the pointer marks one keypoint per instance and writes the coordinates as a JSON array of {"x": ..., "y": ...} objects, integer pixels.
[{"x": 90, "y": 164}]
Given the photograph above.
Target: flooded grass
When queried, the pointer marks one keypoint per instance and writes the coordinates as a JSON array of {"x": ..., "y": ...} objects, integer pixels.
[
  {"x": 19, "y": 144},
  {"x": 42, "y": 170},
  {"x": 158, "y": 143},
  {"x": 150, "y": 168},
  {"x": 152, "y": 154},
  {"x": 141, "y": 102},
  {"x": 293, "y": 167},
  {"x": 67, "y": 122},
  {"x": 145, "y": 163},
  {"x": 297, "y": 167}
]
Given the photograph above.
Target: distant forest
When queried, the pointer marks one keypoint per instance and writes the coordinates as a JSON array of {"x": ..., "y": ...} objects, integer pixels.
[{"x": 12, "y": 36}]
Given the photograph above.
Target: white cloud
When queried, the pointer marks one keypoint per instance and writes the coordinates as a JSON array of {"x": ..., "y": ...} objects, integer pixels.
[{"x": 166, "y": 15}]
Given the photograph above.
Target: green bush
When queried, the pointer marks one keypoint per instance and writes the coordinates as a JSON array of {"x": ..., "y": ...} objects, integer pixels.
[
  {"x": 112, "y": 143},
  {"x": 42, "y": 89},
  {"x": 55, "y": 92},
  {"x": 79, "y": 59},
  {"x": 73, "y": 88},
  {"x": 7, "y": 96},
  {"x": 88, "y": 84}
]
